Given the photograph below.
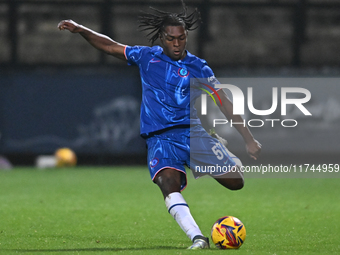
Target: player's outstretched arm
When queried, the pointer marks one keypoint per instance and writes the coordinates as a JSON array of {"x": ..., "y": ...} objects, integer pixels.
[
  {"x": 253, "y": 147},
  {"x": 97, "y": 40}
]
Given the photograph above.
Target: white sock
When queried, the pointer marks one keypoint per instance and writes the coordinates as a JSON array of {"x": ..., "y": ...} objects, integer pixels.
[{"x": 179, "y": 209}]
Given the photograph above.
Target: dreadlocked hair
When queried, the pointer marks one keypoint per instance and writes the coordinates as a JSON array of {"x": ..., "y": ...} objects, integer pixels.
[{"x": 157, "y": 21}]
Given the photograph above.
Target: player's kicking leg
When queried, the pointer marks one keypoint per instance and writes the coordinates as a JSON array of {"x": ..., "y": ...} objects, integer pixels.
[
  {"x": 169, "y": 181},
  {"x": 233, "y": 180}
]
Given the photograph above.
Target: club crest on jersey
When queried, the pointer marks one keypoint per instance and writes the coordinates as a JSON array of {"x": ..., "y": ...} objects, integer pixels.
[
  {"x": 154, "y": 162},
  {"x": 183, "y": 72}
]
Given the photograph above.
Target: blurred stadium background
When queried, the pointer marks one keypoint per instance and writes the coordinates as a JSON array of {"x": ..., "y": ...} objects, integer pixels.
[{"x": 57, "y": 91}]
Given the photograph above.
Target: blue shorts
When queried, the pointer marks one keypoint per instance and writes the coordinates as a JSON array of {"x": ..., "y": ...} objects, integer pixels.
[{"x": 192, "y": 147}]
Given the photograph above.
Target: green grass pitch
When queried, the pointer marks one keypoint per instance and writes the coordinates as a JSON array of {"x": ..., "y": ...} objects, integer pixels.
[{"x": 118, "y": 210}]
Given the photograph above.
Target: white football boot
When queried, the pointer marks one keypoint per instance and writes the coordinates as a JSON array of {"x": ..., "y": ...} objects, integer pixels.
[{"x": 199, "y": 242}]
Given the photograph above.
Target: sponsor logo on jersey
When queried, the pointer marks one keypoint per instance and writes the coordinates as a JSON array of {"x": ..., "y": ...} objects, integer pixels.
[{"x": 212, "y": 80}]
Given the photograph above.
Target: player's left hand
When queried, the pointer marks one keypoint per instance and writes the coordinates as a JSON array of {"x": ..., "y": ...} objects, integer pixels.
[{"x": 254, "y": 149}]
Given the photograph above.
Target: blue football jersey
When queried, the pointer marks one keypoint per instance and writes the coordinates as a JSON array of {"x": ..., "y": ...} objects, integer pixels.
[{"x": 166, "y": 99}]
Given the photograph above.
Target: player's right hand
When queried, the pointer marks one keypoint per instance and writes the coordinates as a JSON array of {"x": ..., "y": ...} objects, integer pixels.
[{"x": 70, "y": 25}]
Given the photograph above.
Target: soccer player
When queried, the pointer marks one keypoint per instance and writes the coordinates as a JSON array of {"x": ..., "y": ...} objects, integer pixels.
[{"x": 168, "y": 122}]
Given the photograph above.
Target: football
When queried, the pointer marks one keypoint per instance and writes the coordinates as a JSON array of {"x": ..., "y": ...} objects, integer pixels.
[
  {"x": 65, "y": 157},
  {"x": 228, "y": 233}
]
